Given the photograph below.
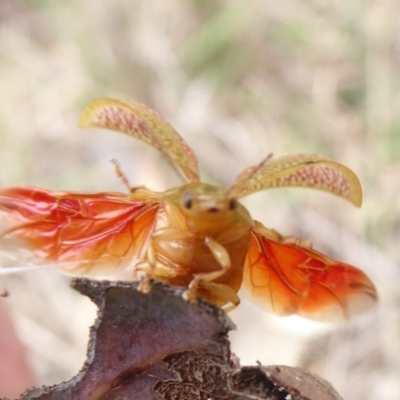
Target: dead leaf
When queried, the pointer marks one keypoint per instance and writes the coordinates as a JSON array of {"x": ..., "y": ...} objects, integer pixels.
[{"x": 158, "y": 346}]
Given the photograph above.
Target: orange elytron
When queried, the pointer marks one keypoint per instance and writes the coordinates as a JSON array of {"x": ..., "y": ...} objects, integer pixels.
[{"x": 196, "y": 236}]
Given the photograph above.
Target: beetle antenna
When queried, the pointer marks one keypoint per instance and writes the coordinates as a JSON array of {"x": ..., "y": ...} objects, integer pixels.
[
  {"x": 120, "y": 174},
  {"x": 260, "y": 165}
]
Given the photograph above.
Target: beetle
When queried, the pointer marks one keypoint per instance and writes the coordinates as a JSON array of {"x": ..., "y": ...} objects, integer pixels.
[{"x": 197, "y": 236}]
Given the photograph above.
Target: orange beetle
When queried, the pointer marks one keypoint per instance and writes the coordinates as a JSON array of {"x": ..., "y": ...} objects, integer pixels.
[{"x": 196, "y": 236}]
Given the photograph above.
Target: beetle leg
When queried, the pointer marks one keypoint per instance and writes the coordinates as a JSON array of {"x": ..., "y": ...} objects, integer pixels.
[
  {"x": 221, "y": 255},
  {"x": 149, "y": 269},
  {"x": 224, "y": 292}
]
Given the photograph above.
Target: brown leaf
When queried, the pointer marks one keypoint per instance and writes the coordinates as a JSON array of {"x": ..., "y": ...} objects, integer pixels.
[
  {"x": 158, "y": 346},
  {"x": 279, "y": 382},
  {"x": 133, "y": 334}
]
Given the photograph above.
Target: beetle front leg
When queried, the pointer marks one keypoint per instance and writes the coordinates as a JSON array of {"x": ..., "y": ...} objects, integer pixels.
[
  {"x": 152, "y": 266},
  {"x": 222, "y": 257}
]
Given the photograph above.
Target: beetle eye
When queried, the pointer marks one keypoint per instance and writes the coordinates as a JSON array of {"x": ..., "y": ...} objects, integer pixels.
[
  {"x": 187, "y": 200},
  {"x": 232, "y": 204}
]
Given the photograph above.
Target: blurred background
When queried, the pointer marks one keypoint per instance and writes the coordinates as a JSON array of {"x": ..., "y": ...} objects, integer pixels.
[{"x": 238, "y": 80}]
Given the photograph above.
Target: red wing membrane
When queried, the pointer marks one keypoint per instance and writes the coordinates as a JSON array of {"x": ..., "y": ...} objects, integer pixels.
[
  {"x": 289, "y": 279},
  {"x": 84, "y": 234}
]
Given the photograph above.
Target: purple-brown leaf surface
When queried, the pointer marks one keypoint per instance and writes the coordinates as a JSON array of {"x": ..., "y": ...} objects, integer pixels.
[{"x": 158, "y": 346}]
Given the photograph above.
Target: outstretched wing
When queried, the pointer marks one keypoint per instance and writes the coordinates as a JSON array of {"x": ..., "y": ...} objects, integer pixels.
[
  {"x": 82, "y": 234},
  {"x": 290, "y": 278},
  {"x": 143, "y": 123},
  {"x": 302, "y": 170}
]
